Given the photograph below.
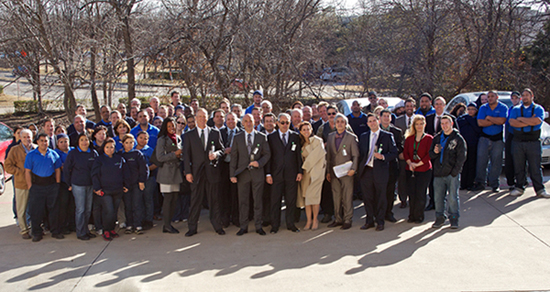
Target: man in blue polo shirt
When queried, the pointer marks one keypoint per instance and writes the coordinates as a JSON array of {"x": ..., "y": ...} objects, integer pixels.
[
  {"x": 143, "y": 125},
  {"x": 43, "y": 175},
  {"x": 526, "y": 121},
  {"x": 491, "y": 118}
]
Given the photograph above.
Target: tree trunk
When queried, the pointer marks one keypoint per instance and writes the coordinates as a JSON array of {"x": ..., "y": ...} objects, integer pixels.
[
  {"x": 93, "y": 90},
  {"x": 128, "y": 47}
]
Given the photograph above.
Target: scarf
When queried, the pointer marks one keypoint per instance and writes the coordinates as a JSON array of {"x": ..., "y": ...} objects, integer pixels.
[{"x": 173, "y": 137}]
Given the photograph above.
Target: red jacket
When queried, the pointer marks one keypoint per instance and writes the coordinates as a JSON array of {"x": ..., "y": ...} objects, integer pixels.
[{"x": 423, "y": 152}]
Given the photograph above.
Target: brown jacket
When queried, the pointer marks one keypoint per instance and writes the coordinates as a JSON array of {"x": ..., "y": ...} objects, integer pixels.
[{"x": 15, "y": 164}]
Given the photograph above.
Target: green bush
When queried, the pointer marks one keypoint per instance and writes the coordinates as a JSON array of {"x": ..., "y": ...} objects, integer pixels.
[{"x": 28, "y": 106}]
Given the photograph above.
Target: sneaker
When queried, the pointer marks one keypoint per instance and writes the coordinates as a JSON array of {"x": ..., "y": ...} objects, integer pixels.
[
  {"x": 99, "y": 232},
  {"x": 113, "y": 234},
  {"x": 107, "y": 236},
  {"x": 454, "y": 223},
  {"x": 139, "y": 230},
  {"x": 439, "y": 221},
  {"x": 516, "y": 192},
  {"x": 543, "y": 194},
  {"x": 128, "y": 230}
]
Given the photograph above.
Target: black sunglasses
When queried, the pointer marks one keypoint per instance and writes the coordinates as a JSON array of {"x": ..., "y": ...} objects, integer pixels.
[
  {"x": 180, "y": 123},
  {"x": 331, "y": 114},
  {"x": 285, "y": 123}
]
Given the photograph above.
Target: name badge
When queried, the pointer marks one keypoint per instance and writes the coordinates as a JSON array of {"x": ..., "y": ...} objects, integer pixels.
[
  {"x": 255, "y": 151},
  {"x": 293, "y": 148},
  {"x": 344, "y": 152}
]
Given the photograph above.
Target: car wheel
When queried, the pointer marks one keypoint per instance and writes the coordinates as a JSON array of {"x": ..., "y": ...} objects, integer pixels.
[{"x": 2, "y": 179}]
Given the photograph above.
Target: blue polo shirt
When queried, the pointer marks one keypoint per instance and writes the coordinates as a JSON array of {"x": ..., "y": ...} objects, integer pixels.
[
  {"x": 527, "y": 113},
  {"x": 151, "y": 130},
  {"x": 500, "y": 111},
  {"x": 430, "y": 111},
  {"x": 358, "y": 124},
  {"x": 43, "y": 165}
]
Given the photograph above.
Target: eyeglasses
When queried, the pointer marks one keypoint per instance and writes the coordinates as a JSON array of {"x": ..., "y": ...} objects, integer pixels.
[
  {"x": 285, "y": 123},
  {"x": 331, "y": 114},
  {"x": 180, "y": 123}
]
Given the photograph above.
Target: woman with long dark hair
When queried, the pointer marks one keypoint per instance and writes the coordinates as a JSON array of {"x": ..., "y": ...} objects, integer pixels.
[{"x": 169, "y": 176}]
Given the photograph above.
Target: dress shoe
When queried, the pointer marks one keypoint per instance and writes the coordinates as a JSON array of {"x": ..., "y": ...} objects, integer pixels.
[
  {"x": 58, "y": 236},
  {"x": 26, "y": 236},
  {"x": 403, "y": 205},
  {"x": 293, "y": 229},
  {"x": 190, "y": 233},
  {"x": 169, "y": 230},
  {"x": 430, "y": 207},
  {"x": 241, "y": 232},
  {"x": 84, "y": 238},
  {"x": 391, "y": 219},
  {"x": 379, "y": 227},
  {"x": 346, "y": 226},
  {"x": 367, "y": 226},
  {"x": 334, "y": 224},
  {"x": 274, "y": 230},
  {"x": 220, "y": 232},
  {"x": 37, "y": 238},
  {"x": 326, "y": 219},
  {"x": 260, "y": 231}
]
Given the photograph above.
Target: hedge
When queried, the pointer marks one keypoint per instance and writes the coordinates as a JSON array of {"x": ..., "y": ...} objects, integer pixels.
[{"x": 28, "y": 106}]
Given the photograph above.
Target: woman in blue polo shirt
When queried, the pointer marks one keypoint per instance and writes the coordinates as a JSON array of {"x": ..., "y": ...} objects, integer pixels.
[
  {"x": 138, "y": 173},
  {"x": 109, "y": 176},
  {"x": 77, "y": 171}
]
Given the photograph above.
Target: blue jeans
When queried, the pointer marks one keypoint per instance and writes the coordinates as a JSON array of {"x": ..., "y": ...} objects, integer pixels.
[
  {"x": 442, "y": 185},
  {"x": 109, "y": 206},
  {"x": 133, "y": 206},
  {"x": 528, "y": 152},
  {"x": 151, "y": 188},
  {"x": 83, "y": 198},
  {"x": 488, "y": 150}
]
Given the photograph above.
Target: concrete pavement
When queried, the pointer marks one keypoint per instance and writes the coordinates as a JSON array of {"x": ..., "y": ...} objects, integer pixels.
[{"x": 503, "y": 244}]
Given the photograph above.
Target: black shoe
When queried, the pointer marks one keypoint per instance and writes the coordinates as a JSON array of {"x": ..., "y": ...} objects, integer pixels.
[
  {"x": 454, "y": 223},
  {"x": 190, "y": 233},
  {"x": 496, "y": 189},
  {"x": 293, "y": 229},
  {"x": 220, "y": 232},
  {"x": 91, "y": 235},
  {"x": 367, "y": 226},
  {"x": 36, "y": 238},
  {"x": 326, "y": 219},
  {"x": 274, "y": 230},
  {"x": 379, "y": 227},
  {"x": 260, "y": 231},
  {"x": 85, "y": 237},
  {"x": 478, "y": 187},
  {"x": 241, "y": 232},
  {"x": 169, "y": 230},
  {"x": 58, "y": 236},
  {"x": 334, "y": 224},
  {"x": 346, "y": 226},
  {"x": 439, "y": 221},
  {"x": 430, "y": 207},
  {"x": 391, "y": 219}
]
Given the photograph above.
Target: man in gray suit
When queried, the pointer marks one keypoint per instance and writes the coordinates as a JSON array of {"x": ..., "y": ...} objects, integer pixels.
[
  {"x": 249, "y": 154},
  {"x": 403, "y": 122},
  {"x": 342, "y": 147}
]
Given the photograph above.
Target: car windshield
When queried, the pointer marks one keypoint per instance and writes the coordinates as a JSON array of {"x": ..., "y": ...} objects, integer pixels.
[{"x": 5, "y": 133}]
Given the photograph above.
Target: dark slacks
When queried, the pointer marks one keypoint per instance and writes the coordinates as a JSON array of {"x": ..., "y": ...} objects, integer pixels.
[
  {"x": 468, "y": 175},
  {"x": 169, "y": 207},
  {"x": 109, "y": 208},
  {"x": 418, "y": 186},
  {"x": 288, "y": 189},
  {"x": 266, "y": 205},
  {"x": 200, "y": 189},
  {"x": 327, "y": 202},
  {"x": 402, "y": 188},
  {"x": 134, "y": 208},
  {"x": 247, "y": 186},
  {"x": 184, "y": 201},
  {"x": 529, "y": 152},
  {"x": 390, "y": 189},
  {"x": 42, "y": 198},
  {"x": 65, "y": 208},
  {"x": 509, "y": 160},
  {"x": 374, "y": 194}
]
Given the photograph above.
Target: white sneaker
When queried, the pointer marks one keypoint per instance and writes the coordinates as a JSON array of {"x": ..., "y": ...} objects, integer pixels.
[
  {"x": 122, "y": 225},
  {"x": 543, "y": 194},
  {"x": 516, "y": 192}
]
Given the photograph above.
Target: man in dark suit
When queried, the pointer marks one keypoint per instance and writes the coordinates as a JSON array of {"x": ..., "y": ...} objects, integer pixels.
[
  {"x": 283, "y": 172},
  {"x": 249, "y": 154},
  {"x": 433, "y": 127},
  {"x": 202, "y": 148},
  {"x": 385, "y": 124},
  {"x": 377, "y": 148},
  {"x": 229, "y": 195}
]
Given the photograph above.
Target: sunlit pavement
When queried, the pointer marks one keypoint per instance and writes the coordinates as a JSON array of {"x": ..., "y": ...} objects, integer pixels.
[{"x": 503, "y": 244}]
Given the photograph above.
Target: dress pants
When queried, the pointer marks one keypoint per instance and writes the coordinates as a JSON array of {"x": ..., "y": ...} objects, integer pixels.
[
  {"x": 327, "y": 203},
  {"x": 288, "y": 189},
  {"x": 390, "y": 188},
  {"x": 342, "y": 195},
  {"x": 22, "y": 198},
  {"x": 530, "y": 153},
  {"x": 200, "y": 189},
  {"x": 41, "y": 199},
  {"x": 418, "y": 185},
  {"x": 247, "y": 186},
  {"x": 65, "y": 208},
  {"x": 374, "y": 195},
  {"x": 169, "y": 207}
]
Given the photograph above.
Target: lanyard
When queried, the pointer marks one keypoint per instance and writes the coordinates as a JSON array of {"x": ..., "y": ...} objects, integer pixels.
[{"x": 416, "y": 146}]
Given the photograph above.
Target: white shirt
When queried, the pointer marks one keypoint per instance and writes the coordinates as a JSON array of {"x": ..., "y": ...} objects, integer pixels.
[
  {"x": 372, "y": 146},
  {"x": 282, "y": 138},
  {"x": 408, "y": 120},
  {"x": 205, "y": 135}
]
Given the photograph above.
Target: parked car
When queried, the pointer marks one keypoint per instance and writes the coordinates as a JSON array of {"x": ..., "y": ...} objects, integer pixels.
[
  {"x": 6, "y": 136},
  {"x": 344, "y": 106},
  {"x": 504, "y": 97},
  {"x": 334, "y": 73}
]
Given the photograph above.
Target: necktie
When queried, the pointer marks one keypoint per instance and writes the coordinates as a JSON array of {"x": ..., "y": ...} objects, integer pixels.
[
  {"x": 284, "y": 138},
  {"x": 249, "y": 142},
  {"x": 438, "y": 125},
  {"x": 371, "y": 150},
  {"x": 202, "y": 139},
  {"x": 230, "y": 138},
  {"x": 408, "y": 121}
]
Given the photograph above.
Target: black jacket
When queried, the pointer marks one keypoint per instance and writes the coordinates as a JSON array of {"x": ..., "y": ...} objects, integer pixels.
[{"x": 454, "y": 155}]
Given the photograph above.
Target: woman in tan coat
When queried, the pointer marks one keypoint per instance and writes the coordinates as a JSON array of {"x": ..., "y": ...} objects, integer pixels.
[{"x": 314, "y": 163}]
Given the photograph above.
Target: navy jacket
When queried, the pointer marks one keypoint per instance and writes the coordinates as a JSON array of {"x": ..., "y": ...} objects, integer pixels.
[
  {"x": 110, "y": 174},
  {"x": 286, "y": 161},
  {"x": 470, "y": 130},
  {"x": 386, "y": 142},
  {"x": 78, "y": 167},
  {"x": 136, "y": 165}
]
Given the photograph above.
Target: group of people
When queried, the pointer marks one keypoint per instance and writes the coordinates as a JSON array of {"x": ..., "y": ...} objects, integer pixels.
[{"x": 169, "y": 162}]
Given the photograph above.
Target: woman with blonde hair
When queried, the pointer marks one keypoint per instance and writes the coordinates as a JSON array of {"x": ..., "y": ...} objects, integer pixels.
[
  {"x": 419, "y": 167},
  {"x": 314, "y": 164}
]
